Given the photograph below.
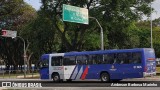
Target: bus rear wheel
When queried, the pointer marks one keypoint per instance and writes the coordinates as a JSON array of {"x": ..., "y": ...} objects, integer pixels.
[
  {"x": 56, "y": 77},
  {"x": 105, "y": 77}
]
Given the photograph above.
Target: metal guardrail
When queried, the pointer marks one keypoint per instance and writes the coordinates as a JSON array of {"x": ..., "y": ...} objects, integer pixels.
[{"x": 18, "y": 74}]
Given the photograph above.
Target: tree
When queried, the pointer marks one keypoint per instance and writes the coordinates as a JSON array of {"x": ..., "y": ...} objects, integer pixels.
[
  {"x": 42, "y": 35},
  {"x": 48, "y": 33},
  {"x": 119, "y": 16},
  {"x": 114, "y": 15},
  {"x": 72, "y": 35},
  {"x": 156, "y": 37},
  {"x": 13, "y": 18},
  {"x": 145, "y": 35}
]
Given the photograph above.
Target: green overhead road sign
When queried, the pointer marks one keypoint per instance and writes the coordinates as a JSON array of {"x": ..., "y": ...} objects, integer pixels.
[{"x": 75, "y": 14}]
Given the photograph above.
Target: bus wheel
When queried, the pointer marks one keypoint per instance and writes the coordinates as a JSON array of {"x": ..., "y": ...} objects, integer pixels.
[
  {"x": 69, "y": 80},
  {"x": 105, "y": 77},
  {"x": 56, "y": 77},
  {"x": 115, "y": 80}
]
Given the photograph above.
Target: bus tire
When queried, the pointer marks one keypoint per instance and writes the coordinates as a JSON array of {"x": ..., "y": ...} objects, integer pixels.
[
  {"x": 116, "y": 80},
  {"x": 69, "y": 80},
  {"x": 105, "y": 77},
  {"x": 56, "y": 77}
]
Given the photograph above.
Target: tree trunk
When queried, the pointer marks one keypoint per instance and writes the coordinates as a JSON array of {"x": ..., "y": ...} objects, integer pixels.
[{"x": 28, "y": 63}]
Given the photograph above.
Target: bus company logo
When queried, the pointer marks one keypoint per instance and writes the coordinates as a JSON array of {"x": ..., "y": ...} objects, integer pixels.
[
  {"x": 113, "y": 68},
  {"x": 15, "y": 84},
  {"x": 6, "y": 84}
]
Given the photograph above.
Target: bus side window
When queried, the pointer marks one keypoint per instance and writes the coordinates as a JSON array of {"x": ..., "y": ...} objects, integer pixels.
[
  {"x": 94, "y": 59},
  {"x": 90, "y": 60},
  {"x": 98, "y": 59},
  {"x": 82, "y": 59},
  {"x": 123, "y": 58},
  {"x": 128, "y": 57},
  {"x": 118, "y": 59},
  {"x": 79, "y": 59},
  {"x": 85, "y": 59},
  {"x": 56, "y": 61},
  {"x": 109, "y": 58},
  {"x": 136, "y": 57},
  {"x": 69, "y": 60}
]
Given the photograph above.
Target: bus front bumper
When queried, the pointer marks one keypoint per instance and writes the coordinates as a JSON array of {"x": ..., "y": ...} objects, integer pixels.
[{"x": 145, "y": 74}]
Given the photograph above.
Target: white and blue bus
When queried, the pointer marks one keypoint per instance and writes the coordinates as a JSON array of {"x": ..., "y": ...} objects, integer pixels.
[{"x": 105, "y": 65}]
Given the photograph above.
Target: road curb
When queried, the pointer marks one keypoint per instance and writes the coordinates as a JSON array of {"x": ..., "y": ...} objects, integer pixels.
[
  {"x": 156, "y": 78},
  {"x": 28, "y": 76}
]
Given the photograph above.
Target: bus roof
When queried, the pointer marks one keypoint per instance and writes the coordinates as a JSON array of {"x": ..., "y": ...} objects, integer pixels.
[
  {"x": 104, "y": 51},
  {"x": 44, "y": 56},
  {"x": 52, "y": 54},
  {"x": 94, "y": 52}
]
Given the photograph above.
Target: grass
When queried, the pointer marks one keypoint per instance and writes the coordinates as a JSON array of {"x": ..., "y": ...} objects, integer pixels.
[
  {"x": 158, "y": 69},
  {"x": 19, "y": 75}
]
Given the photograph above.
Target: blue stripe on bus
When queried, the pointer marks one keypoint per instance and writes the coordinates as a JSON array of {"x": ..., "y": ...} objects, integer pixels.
[{"x": 74, "y": 73}]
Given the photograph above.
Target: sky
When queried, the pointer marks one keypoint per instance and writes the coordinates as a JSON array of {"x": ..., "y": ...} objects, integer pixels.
[
  {"x": 156, "y": 5},
  {"x": 34, "y": 3}
]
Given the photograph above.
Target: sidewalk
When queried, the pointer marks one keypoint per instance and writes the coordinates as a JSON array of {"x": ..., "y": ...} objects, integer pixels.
[
  {"x": 152, "y": 78},
  {"x": 34, "y": 76}
]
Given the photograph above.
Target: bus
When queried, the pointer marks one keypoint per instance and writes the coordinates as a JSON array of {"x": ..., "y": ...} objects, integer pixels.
[{"x": 105, "y": 65}]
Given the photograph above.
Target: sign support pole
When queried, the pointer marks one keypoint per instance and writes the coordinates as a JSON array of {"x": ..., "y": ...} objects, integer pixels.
[
  {"x": 101, "y": 34},
  {"x": 24, "y": 54}
]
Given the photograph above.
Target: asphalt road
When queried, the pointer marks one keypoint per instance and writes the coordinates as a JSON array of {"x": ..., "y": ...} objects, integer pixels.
[{"x": 133, "y": 84}]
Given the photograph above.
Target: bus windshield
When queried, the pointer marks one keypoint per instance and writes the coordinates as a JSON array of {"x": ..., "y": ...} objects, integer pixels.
[{"x": 43, "y": 64}]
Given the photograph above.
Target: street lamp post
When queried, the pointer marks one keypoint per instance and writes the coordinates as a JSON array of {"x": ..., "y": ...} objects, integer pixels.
[
  {"x": 101, "y": 34},
  {"x": 24, "y": 54},
  {"x": 151, "y": 26}
]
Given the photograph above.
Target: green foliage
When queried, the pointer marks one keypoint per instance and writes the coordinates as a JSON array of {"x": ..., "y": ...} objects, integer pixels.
[
  {"x": 119, "y": 16},
  {"x": 115, "y": 17},
  {"x": 145, "y": 35},
  {"x": 42, "y": 35},
  {"x": 156, "y": 36},
  {"x": 14, "y": 15},
  {"x": 47, "y": 33}
]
